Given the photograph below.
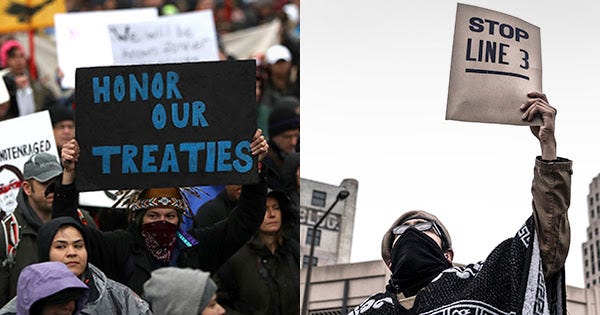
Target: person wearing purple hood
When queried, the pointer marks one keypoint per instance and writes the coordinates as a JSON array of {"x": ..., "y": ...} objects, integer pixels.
[
  {"x": 49, "y": 288},
  {"x": 64, "y": 240}
]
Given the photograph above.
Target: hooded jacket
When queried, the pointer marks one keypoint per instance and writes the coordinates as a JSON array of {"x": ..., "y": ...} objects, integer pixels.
[
  {"x": 110, "y": 297},
  {"x": 174, "y": 291},
  {"x": 39, "y": 281},
  {"x": 113, "y": 297},
  {"x": 27, "y": 250},
  {"x": 106, "y": 296}
]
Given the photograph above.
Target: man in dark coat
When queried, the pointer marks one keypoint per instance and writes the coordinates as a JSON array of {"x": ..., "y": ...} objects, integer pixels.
[{"x": 284, "y": 128}]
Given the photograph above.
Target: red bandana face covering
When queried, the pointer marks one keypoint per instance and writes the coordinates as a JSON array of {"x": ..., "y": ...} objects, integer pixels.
[{"x": 160, "y": 239}]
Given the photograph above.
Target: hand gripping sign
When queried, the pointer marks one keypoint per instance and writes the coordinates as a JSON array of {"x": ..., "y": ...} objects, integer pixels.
[{"x": 496, "y": 61}]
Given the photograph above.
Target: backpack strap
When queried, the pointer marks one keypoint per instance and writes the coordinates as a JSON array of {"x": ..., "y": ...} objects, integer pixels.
[{"x": 10, "y": 228}]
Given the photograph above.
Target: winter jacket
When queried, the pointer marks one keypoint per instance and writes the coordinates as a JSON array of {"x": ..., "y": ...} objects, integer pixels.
[
  {"x": 214, "y": 211},
  {"x": 114, "y": 298},
  {"x": 110, "y": 297},
  {"x": 256, "y": 281},
  {"x": 122, "y": 254},
  {"x": 27, "y": 251},
  {"x": 41, "y": 281}
]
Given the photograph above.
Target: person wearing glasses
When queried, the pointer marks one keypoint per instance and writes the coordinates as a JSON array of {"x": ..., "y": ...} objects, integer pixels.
[{"x": 522, "y": 275}]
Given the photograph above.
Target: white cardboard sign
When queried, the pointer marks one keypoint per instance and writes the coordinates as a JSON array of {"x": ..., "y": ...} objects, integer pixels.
[
  {"x": 4, "y": 95},
  {"x": 29, "y": 135},
  {"x": 184, "y": 37},
  {"x": 496, "y": 61},
  {"x": 82, "y": 39}
]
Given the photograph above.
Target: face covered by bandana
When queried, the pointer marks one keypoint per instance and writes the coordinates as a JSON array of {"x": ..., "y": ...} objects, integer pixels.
[
  {"x": 416, "y": 260},
  {"x": 160, "y": 239}
]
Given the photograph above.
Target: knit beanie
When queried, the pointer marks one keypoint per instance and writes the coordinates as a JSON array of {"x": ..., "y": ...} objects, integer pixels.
[
  {"x": 60, "y": 113},
  {"x": 6, "y": 47},
  {"x": 158, "y": 197},
  {"x": 173, "y": 291},
  {"x": 388, "y": 239},
  {"x": 283, "y": 119}
]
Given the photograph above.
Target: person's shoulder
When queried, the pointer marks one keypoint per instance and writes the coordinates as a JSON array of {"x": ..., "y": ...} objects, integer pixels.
[
  {"x": 125, "y": 299},
  {"x": 10, "y": 308},
  {"x": 379, "y": 303}
]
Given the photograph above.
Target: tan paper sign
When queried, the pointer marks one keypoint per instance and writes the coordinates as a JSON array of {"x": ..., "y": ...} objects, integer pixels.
[{"x": 496, "y": 61}]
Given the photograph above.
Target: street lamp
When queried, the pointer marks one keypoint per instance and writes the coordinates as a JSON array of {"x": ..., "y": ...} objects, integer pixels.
[{"x": 340, "y": 196}]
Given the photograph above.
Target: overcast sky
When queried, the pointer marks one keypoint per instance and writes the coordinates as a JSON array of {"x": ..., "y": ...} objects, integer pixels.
[{"x": 374, "y": 89}]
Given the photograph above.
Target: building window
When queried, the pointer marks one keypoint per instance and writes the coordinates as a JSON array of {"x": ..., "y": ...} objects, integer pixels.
[
  {"x": 594, "y": 282},
  {"x": 585, "y": 251},
  {"x": 587, "y": 274},
  {"x": 598, "y": 210},
  {"x": 596, "y": 231},
  {"x": 586, "y": 262},
  {"x": 592, "y": 213},
  {"x": 309, "y": 236},
  {"x": 596, "y": 196},
  {"x": 591, "y": 201},
  {"x": 318, "y": 198},
  {"x": 305, "y": 258}
]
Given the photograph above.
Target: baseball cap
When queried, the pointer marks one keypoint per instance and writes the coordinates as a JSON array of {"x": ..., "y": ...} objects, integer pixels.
[
  {"x": 276, "y": 53},
  {"x": 42, "y": 167}
]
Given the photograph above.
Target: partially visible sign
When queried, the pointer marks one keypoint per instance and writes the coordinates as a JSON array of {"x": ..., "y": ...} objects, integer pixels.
[
  {"x": 252, "y": 42},
  {"x": 82, "y": 38},
  {"x": 168, "y": 125},
  {"x": 183, "y": 37},
  {"x": 22, "y": 15},
  {"x": 496, "y": 61},
  {"x": 22, "y": 137},
  {"x": 4, "y": 95}
]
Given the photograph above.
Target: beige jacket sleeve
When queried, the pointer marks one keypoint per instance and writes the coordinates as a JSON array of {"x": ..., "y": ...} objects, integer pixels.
[{"x": 551, "y": 191}]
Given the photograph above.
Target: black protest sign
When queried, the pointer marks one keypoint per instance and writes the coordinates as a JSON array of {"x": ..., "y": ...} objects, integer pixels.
[{"x": 168, "y": 125}]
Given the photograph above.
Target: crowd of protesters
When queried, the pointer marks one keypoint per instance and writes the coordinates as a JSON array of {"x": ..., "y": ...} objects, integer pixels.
[{"x": 240, "y": 256}]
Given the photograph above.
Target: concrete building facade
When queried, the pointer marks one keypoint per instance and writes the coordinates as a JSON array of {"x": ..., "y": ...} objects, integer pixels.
[
  {"x": 591, "y": 247},
  {"x": 334, "y": 236}
]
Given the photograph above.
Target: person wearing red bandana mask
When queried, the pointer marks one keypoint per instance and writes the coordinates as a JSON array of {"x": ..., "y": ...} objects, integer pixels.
[{"x": 154, "y": 238}]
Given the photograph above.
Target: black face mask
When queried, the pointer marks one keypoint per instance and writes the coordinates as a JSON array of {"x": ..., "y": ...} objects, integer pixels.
[{"x": 416, "y": 260}]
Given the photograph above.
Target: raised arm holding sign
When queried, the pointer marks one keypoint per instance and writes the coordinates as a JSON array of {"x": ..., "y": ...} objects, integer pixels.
[{"x": 143, "y": 108}]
